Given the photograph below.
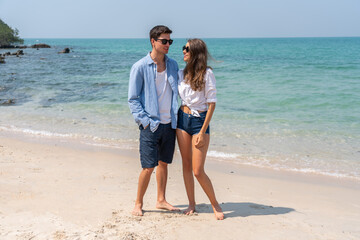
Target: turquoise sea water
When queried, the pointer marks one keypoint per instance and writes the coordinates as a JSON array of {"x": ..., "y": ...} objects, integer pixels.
[{"x": 287, "y": 103}]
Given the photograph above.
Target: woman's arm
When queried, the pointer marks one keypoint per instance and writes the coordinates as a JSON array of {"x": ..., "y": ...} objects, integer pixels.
[{"x": 199, "y": 142}]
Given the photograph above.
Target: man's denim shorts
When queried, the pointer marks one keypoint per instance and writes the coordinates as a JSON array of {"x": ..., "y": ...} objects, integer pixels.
[
  {"x": 191, "y": 124},
  {"x": 157, "y": 146}
]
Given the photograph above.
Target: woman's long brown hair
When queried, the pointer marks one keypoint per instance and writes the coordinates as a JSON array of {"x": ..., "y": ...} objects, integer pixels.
[{"x": 195, "y": 69}]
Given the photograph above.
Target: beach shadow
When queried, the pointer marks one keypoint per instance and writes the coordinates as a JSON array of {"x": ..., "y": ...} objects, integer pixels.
[
  {"x": 247, "y": 209},
  {"x": 243, "y": 209}
]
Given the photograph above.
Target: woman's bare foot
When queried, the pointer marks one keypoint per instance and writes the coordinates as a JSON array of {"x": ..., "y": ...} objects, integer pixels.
[
  {"x": 219, "y": 215},
  {"x": 137, "y": 210},
  {"x": 166, "y": 206},
  {"x": 190, "y": 210}
]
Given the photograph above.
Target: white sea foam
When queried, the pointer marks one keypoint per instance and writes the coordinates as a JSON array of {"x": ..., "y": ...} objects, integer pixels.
[
  {"x": 222, "y": 155},
  {"x": 36, "y": 132},
  {"x": 279, "y": 164},
  {"x": 275, "y": 163},
  {"x": 85, "y": 139}
]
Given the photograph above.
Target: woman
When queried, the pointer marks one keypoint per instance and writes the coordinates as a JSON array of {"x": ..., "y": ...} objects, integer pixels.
[{"x": 198, "y": 97}]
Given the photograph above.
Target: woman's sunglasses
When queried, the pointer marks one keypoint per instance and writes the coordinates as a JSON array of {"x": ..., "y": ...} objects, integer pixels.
[
  {"x": 187, "y": 49},
  {"x": 164, "y": 41}
]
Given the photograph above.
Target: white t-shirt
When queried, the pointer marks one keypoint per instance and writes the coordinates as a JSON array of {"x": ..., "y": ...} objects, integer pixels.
[
  {"x": 197, "y": 100},
  {"x": 164, "y": 94}
]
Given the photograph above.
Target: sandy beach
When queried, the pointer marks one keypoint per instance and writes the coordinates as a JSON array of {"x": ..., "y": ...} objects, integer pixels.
[{"x": 56, "y": 189}]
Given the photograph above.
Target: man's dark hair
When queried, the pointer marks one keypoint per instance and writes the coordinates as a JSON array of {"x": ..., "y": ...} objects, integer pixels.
[{"x": 156, "y": 31}]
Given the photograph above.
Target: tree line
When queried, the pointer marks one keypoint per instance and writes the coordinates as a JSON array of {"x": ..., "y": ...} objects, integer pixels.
[{"x": 8, "y": 35}]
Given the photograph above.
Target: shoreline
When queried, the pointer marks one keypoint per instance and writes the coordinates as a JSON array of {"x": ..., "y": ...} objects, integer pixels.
[
  {"x": 216, "y": 155},
  {"x": 224, "y": 166},
  {"x": 67, "y": 190}
]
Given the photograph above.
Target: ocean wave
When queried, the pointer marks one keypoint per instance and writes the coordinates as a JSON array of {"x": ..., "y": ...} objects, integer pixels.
[
  {"x": 84, "y": 139},
  {"x": 36, "y": 132},
  {"x": 222, "y": 155},
  {"x": 265, "y": 162}
]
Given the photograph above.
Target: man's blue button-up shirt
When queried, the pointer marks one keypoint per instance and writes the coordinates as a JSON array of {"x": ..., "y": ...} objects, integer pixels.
[{"x": 142, "y": 96}]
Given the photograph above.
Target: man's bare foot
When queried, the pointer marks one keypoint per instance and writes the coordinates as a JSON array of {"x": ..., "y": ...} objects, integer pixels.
[
  {"x": 190, "y": 210},
  {"x": 219, "y": 215},
  {"x": 137, "y": 210},
  {"x": 166, "y": 206}
]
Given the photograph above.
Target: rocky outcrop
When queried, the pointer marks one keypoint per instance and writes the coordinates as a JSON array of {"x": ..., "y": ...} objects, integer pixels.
[
  {"x": 7, "y": 46},
  {"x": 7, "y": 102},
  {"x": 18, "y": 53},
  {"x": 40, "y": 45},
  {"x": 11, "y": 46},
  {"x": 6, "y": 54},
  {"x": 66, "y": 50},
  {"x": 21, "y": 52}
]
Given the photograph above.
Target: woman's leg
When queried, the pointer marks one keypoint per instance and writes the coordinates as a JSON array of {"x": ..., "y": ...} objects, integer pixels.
[
  {"x": 198, "y": 162},
  {"x": 184, "y": 141}
]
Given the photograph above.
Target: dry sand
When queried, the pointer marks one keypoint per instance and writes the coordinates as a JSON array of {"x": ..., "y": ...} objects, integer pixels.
[{"x": 63, "y": 190}]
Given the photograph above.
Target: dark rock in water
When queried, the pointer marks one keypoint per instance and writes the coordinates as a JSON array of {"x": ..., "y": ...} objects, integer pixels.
[
  {"x": 7, "y": 46},
  {"x": 40, "y": 45},
  {"x": 18, "y": 53},
  {"x": 11, "y": 46},
  {"x": 66, "y": 50},
  {"x": 7, "y": 102}
]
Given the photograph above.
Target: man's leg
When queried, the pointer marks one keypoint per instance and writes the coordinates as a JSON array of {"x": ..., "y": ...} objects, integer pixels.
[
  {"x": 161, "y": 178},
  {"x": 148, "y": 159},
  {"x": 144, "y": 180}
]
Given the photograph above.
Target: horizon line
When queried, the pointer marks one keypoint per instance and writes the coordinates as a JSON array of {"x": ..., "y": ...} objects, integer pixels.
[{"x": 190, "y": 37}]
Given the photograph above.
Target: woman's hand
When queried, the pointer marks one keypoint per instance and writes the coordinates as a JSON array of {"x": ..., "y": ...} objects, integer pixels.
[{"x": 199, "y": 141}]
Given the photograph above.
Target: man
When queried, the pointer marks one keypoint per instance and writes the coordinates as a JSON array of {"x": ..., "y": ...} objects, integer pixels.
[{"x": 153, "y": 102}]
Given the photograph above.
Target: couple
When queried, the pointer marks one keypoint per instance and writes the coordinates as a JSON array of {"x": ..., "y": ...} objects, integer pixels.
[{"x": 154, "y": 86}]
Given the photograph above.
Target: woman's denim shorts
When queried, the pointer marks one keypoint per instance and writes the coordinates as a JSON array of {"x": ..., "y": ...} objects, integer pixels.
[{"x": 191, "y": 124}]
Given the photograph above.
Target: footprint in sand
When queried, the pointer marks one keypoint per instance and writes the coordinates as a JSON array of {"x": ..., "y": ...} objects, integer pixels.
[{"x": 59, "y": 235}]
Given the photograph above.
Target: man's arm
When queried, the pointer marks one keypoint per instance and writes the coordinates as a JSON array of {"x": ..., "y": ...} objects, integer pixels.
[{"x": 136, "y": 83}]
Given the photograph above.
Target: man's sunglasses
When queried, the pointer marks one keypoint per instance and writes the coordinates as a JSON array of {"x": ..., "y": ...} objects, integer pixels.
[
  {"x": 164, "y": 41},
  {"x": 187, "y": 49}
]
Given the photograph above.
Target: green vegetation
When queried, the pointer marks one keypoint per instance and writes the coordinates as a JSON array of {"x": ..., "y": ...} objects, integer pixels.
[{"x": 8, "y": 35}]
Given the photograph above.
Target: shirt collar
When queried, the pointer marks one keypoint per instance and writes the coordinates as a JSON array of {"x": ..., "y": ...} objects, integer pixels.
[{"x": 150, "y": 61}]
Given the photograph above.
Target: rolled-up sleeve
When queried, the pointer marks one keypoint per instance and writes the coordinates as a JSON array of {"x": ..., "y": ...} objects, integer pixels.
[
  {"x": 136, "y": 83},
  {"x": 210, "y": 87}
]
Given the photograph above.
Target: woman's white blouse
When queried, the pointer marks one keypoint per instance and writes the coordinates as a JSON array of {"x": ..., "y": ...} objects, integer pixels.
[{"x": 197, "y": 100}]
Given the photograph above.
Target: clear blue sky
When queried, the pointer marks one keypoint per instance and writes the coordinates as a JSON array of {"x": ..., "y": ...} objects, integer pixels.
[{"x": 187, "y": 18}]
